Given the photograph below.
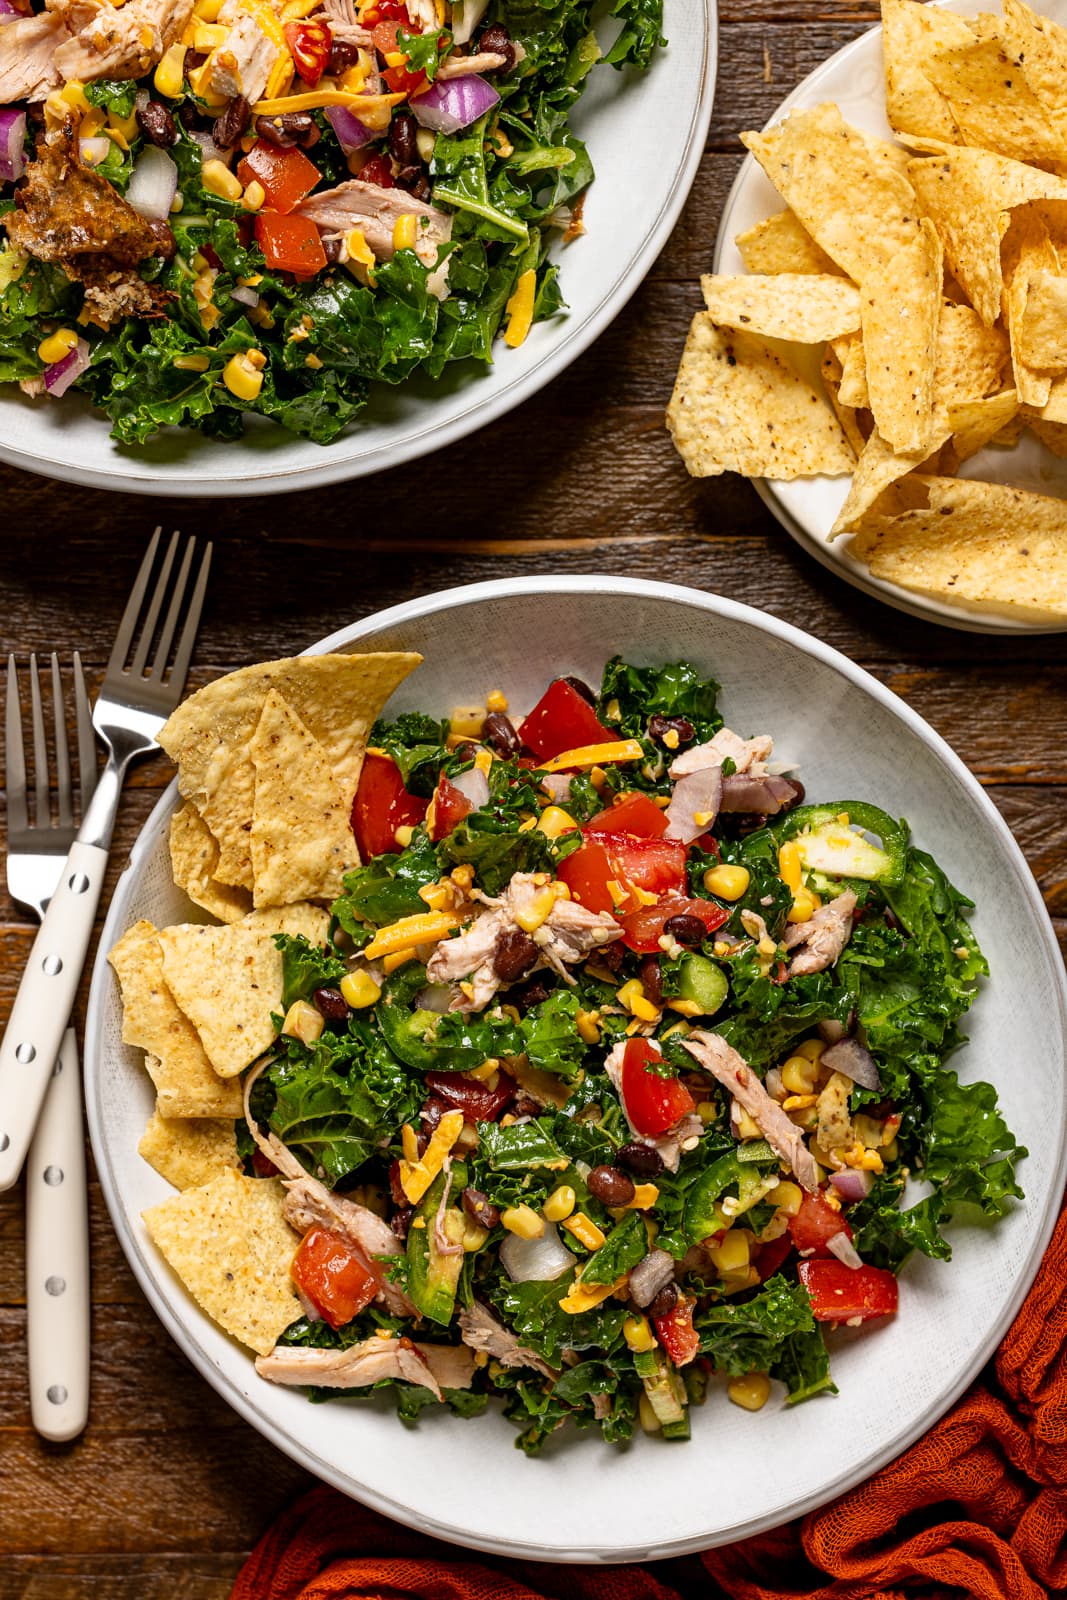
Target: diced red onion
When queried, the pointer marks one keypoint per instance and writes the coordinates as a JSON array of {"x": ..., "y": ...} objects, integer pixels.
[
  {"x": 830, "y": 1030},
  {"x": 92, "y": 151},
  {"x": 774, "y": 1084},
  {"x": 536, "y": 1260},
  {"x": 209, "y": 150},
  {"x": 448, "y": 107},
  {"x": 558, "y": 785},
  {"x": 8, "y": 12},
  {"x": 247, "y": 297},
  {"x": 852, "y": 1185},
  {"x": 474, "y": 785},
  {"x": 466, "y": 15},
  {"x": 351, "y": 133},
  {"x": 694, "y": 805},
  {"x": 742, "y": 792},
  {"x": 853, "y": 1060},
  {"x": 153, "y": 184},
  {"x": 842, "y": 1247},
  {"x": 61, "y": 374},
  {"x": 12, "y": 142}
]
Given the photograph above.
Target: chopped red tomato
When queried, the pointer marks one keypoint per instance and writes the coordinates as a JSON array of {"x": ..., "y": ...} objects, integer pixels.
[
  {"x": 334, "y": 1276},
  {"x": 475, "y": 1099},
  {"x": 262, "y": 1165},
  {"x": 287, "y": 176},
  {"x": 377, "y": 170},
  {"x": 401, "y": 79},
  {"x": 771, "y": 1255},
  {"x": 290, "y": 244},
  {"x": 382, "y": 805},
  {"x": 657, "y": 866},
  {"x": 391, "y": 10},
  {"x": 310, "y": 44},
  {"x": 385, "y": 32},
  {"x": 653, "y": 1104},
  {"x": 843, "y": 1294},
  {"x": 562, "y": 720},
  {"x": 633, "y": 813},
  {"x": 643, "y": 928},
  {"x": 450, "y": 806},
  {"x": 815, "y": 1225},
  {"x": 676, "y": 1333},
  {"x": 587, "y": 873}
]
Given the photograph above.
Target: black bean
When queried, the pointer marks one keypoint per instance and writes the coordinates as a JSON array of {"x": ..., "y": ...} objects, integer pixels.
[
  {"x": 292, "y": 128},
  {"x": 610, "y": 1186},
  {"x": 529, "y": 994},
  {"x": 401, "y": 1220},
  {"x": 611, "y": 955},
  {"x": 498, "y": 732},
  {"x": 480, "y": 1208},
  {"x": 414, "y": 181},
  {"x": 232, "y": 123},
  {"x": 687, "y": 930},
  {"x": 514, "y": 955},
  {"x": 432, "y": 1112},
  {"x": 497, "y": 41},
  {"x": 396, "y": 1188},
  {"x": 524, "y": 1105},
  {"x": 582, "y": 688},
  {"x": 651, "y": 980},
  {"x": 403, "y": 143},
  {"x": 659, "y": 727},
  {"x": 331, "y": 249},
  {"x": 157, "y": 125},
  {"x": 332, "y": 1003},
  {"x": 640, "y": 1159},
  {"x": 665, "y": 1301},
  {"x": 344, "y": 54}
]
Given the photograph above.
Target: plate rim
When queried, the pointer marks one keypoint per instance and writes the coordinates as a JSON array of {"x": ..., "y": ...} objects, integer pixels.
[
  {"x": 240, "y": 1401},
  {"x": 570, "y": 344},
  {"x": 844, "y": 566}
]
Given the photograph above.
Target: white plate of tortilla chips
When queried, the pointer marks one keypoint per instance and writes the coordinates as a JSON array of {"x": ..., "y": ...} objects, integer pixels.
[
  {"x": 214, "y": 1258},
  {"x": 887, "y": 328}
]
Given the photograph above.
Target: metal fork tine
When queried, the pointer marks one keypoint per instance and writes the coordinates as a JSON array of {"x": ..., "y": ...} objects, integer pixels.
[
  {"x": 15, "y": 763},
  {"x": 192, "y": 623},
  {"x": 64, "y": 808},
  {"x": 117, "y": 663},
  {"x": 174, "y": 611},
  {"x": 137, "y": 665},
  {"x": 86, "y": 738},
  {"x": 42, "y": 813}
]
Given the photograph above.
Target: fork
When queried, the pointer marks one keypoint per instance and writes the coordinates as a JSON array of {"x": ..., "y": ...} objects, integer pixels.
[
  {"x": 134, "y": 702},
  {"x": 57, "y": 1232}
]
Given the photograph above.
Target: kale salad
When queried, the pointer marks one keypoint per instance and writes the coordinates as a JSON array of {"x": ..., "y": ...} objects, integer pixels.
[
  {"x": 611, "y": 1077},
  {"x": 221, "y": 207}
]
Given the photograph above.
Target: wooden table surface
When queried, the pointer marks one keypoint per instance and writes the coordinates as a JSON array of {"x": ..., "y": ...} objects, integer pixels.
[{"x": 168, "y": 1489}]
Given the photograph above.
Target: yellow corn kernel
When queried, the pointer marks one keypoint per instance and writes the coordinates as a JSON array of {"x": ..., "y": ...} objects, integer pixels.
[
  {"x": 57, "y": 346},
  {"x": 73, "y": 93},
  {"x": 584, "y": 1230},
  {"x": 191, "y": 363},
  {"x": 496, "y": 700},
  {"x": 745, "y": 1126},
  {"x": 789, "y": 867},
  {"x": 646, "y": 1413},
  {"x": 425, "y": 927},
  {"x": 466, "y": 722},
  {"x": 587, "y": 1024},
  {"x": 560, "y": 1203},
  {"x": 729, "y": 883},
  {"x": 303, "y": 1022},
  {"x": 524, "y": 1221},
  {"x": 254, "y": 198},
  {"x": 217, "y": 178},
  {"x": 462, "y": 876},
  {"x": 474, "y": 1236},
  {"x": 405, "y": 231},
  {"x": 359, "y": 989},
  {"x": 751, "y": 1392},
  {"x": 799, "y": 1102},
  {"x": 632, "y": 997},
  {"x": 554, "y": 821},
  {"x": 207, "y": 10},
  {"x": 645, "y": 1197},
  {"x": 177, "y": 204},
  {"x": 788, "y": 1197},
  {"x": 170, "y": 72},
  {"x": 399, "y": 958},
  {"x": 520, "y": 309},
  {"x": 799, "y": 1075},
  {"x": 731, "y": 1254},
  {"x": 242, "y": 377},
  {"x": 530, "y": 916},
  {"x": 707, "y": 1111},
  {"x": 811, "y": 1048},
  {"x": 207, "y": 36},
  {"x": 638, "y": 1333},
  {"x": 802, "y": 909},
  {"x": 409, "y": 1143},
  {"x": 595, "y": 756}
]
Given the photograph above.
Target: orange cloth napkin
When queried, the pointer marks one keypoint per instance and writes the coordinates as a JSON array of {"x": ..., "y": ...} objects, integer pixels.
[{"x": 977, "y": 1508}]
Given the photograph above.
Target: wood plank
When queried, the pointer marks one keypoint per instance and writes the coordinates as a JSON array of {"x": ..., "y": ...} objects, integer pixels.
[{"x": 115, "y": 1576}]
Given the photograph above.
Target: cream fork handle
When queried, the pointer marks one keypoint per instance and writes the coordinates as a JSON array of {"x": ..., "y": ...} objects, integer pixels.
[
  {"x": 44, "y": 1003},
  {"x": 57, "y": 1257}
]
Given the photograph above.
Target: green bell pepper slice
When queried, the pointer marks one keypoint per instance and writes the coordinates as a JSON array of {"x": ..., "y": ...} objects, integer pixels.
[{"x": 858, "y": 859}]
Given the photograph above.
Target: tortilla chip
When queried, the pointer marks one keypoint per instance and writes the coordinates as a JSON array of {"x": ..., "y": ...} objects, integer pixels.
[
  {"x": 228, "y": 980},
  {"x": 301, "y": 838},
  {"x": 878, "y": 468},
  {"x": 186, "y": 1083},
  {"x": 1039, "y": 46},
  {"x": 901, "y": 308},
  {"x": 738, "y": 406},
  {"x": 782, "y": 244},
  {"x": 854, "y": 391},
  {"x": 971, "y": 358},
  {"x": 1042, "y": 333},
  {"x": 976, "y": 423},
  {"x": 993, "y": 104},
  {"x": 985, "y": 546},
  {"x": 1028, "y": 252},
  {"x": 336, "y": 697},
  {"x": 230, "y": 1245},
  {"x": 911, "y": 34},
  {"x": 967, "y": 194},
  {"x": 803, "y": 307},
  {"x": 188, "y": 1153},
  {"x": 1053, "y": 435},
  {"x": 1055, "y": 410},
  {"x": 846, "y": 415},
  {"x": 194, "y": 856},
  {"x": 847, "y": 188}
]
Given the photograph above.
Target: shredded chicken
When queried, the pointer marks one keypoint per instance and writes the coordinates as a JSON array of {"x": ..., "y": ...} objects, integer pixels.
[
  {"x": 374, "y": 211},
  {"x": 122, "y": 42},
  {"x": 431, "y": 1366},
  {"x": 424, "y": 12},
  {"x": 343, "y": 23},
  {"x": 668, "y": 1146},
  {"x": 821, "y": 939},
  {"x": 747, "y": 755},
  {"x": 835, "y": 1120},
  {"x": 243, "y": 63},
  {"x": 463, "y": 66},
  {"x": 481, "y": 1331},
  {"x": 722, "y": 1061},
  {"x": 28, "y": 48}
]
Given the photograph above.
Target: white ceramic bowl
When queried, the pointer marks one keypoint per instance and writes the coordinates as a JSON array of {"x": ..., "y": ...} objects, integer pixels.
[
  {"x": 641, "y": 185},
  {"x": 587, "y": 1501}
]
